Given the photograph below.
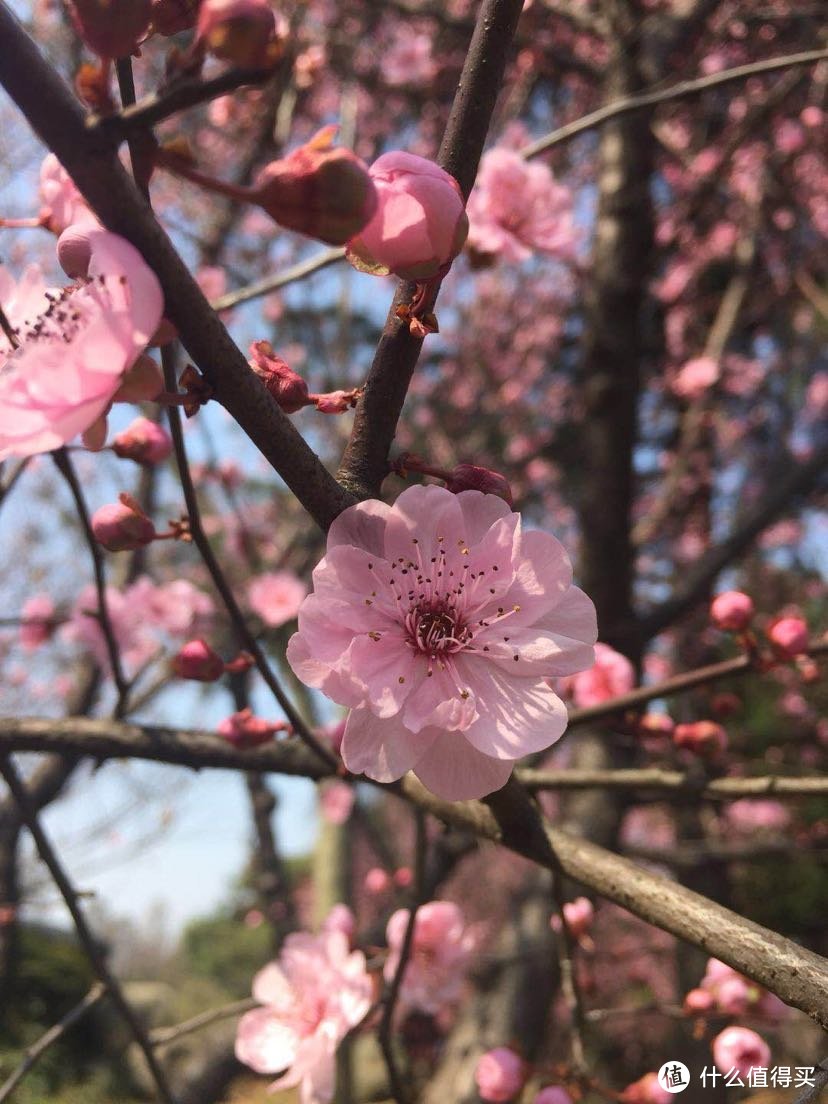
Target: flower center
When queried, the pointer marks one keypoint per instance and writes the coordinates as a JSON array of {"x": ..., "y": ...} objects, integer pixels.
[{"x": 434, "y": 629}]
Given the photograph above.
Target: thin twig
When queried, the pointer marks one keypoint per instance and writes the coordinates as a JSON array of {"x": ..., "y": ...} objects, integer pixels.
[
  {"x": 66, "y": 469},
  {"x": 169, "y": 101},
  {"x": 48, "y": 1038},
  {"x": 245, "y": 637},
  {"x": 87, "y": 939},
  {"x": 813, "y": 1092},
  {"x": 273, "y": 283},
  {"x": 715, "y": 672},
  {"x": 163, "y": 1035},
  {"x": 676, "y": 92},
  {"x": 569, "y": 983},
  {"x": 384, "y": 1031}
]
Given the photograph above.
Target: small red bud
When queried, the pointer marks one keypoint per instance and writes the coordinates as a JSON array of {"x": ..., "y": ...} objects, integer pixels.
[
  {"x": 243, "y": 730},
  {"x": 789, "y": 637},
  {"x": 470, "y": 477},
  {"x": 197, "y": 661},
  {"x": 244, "y": 32},
  {"x": 112, "y": 28},
  {"x": 318, "y": 190},
  {"x": 143, "y": 441},
  {"x": 731, "y": 611},
  {"x": 122, "y": 526},
  {"x": 171, "y": 16},
  {"x": 286, "y": 386},
  {"x": 705, "y": 738}
]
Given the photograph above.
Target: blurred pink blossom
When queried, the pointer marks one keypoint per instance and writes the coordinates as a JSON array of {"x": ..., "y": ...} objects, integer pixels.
[
  {"x": 441, "y": 952},
  {"x": 276, "y": 597}
]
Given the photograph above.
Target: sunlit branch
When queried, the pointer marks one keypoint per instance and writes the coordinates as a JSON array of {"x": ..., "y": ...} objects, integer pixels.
[{"x": 680, "y": 91}]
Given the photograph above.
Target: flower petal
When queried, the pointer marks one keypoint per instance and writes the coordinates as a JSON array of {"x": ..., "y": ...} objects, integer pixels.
[
  {"x": 362, "y": 526},
  {"x": 456, "y": 771},
  {"x": 383, "y": 749},
  {"x": 264, "y": 1042},
  {"x": 516, "y": 717}
]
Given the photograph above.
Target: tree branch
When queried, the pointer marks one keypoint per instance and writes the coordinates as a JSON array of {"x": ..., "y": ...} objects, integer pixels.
[
  {"x": 56, "y": 116},
  {"x": 666, "y": 781},
  {"x": 365, "y": 462}
]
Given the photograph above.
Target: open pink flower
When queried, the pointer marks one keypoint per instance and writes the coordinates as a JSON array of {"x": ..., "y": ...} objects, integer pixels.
[
  {"x": 439, "y": 620},
  {"x": 740, "y": 1049},
  {"x": 37, "y": 621},
  {"x": 611, "y": 675},
  {"x": 517, "y": 207},
  {"x": 317, "y": 991},
  {"x": 63, "y": 205},
  {"x": 276, "y": 597},
  {"x": 73, "y": 346},
  {"x": 440, "y": 954}
]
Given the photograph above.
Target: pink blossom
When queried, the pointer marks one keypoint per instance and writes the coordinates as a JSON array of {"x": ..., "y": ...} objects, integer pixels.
[
  {"x": 611, "y": 675},
  {"x": 698, "y": 1000},
  {"x": 438, "y": 620},
  {"x": 276, "y": 597},
  {"x": 73, "y": 347},
  {"x": 759, "y": 814},
  {"x": 408, "y": 60},
  {"x": 144, "y": 441},
  {"x": 441, "y": 951},
  {"x": 63, "y": 205},
  {"x": 500, "y": 1075},
  {"x": 376, "y": 881},
  {"x": 695, "y": 377},
  {"x": 340, "y": 919},
  {"x": 789, "y": 637},
  {"x": 122, "y": 526},
  {"x": 312, "y": 996},
  {"x": 197, "y": 661},
  {"x": 553, "y": 1094},
  {"x": 578, "y": 916},
  {"x": 36, "y": 621},
  {"x": 420, "y": 223},
  {"x": 178, "y": 608},
  {"x": 739, "y": 1048},
  {"x": 704, "y": 738},
  {"x": 731, "y": 611},
  {"x": 517, "y": 207},
  {"x": 403, "y": 877},
  {"x": 241, "y": 31},
  {"x": 336, "y": 799},
  {"x": 646, "y": 1090}
]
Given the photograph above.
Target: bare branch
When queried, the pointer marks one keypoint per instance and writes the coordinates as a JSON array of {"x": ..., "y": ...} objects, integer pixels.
[
  {"x": 87, "y": 939},
  {"x": 163, "y": 1035},
  {"x": 655, "y": 780},
  {"x": 273, "y": 283},
  {"x": 36, "y": 1051},
  {"x": 682, "y": 90}
]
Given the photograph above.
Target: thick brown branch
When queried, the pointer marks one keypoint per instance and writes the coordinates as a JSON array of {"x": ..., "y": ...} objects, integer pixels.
[
  {"x": 56, "y": 116},
  {"x": 656, "y": 780},
  {"x": 798, "y": 976}
]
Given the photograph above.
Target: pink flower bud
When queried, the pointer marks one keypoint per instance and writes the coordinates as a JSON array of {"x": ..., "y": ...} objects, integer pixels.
[
  {"x": 286, "y": 386},
  {"x": 656, "y": 724},
  {"x": 376, "y": 881},
  {"x": 789, "y": 637},
  {"x": 340, "y": 919},
  {"x": 111, "y": 29},
  {"x": 243, "y": 730},
  {"x": 553, "y": 1094},
  {"x": 578, "y": 915},
  {"x": 169, "y": 17},
  {"x": 36, "y": 621},
  {"x": 335, "y": 402},
  {"x": 336, "y": 801},
  {"x": 141, "y": 383},
  {"x": 318, "y": 190},
  {"x": 197, "y": 661},
  {"x": 704, "y": 738},
  {"x": 143, "y": 441},
  {"x": 646, "y": 1090},
  {"x": 741, "y": 1049},
  {"x": 500, "y": 1075},
  {"x": 420, "y": 224},
  {"x": 470, "y": 477},
  {"x": 731, "y": 611},
  {"x": 698, "y": 1001},
  {"x": 122, "y": 526},
  {"x": 74, "y": 248},
  {"x": 244, "y": 32},
  {"x": 403, "y": 877}
]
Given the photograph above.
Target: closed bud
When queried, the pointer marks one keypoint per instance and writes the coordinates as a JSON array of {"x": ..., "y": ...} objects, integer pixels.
[
  {"x": 704, "y": 738},
  {"x": 197, "y": 661},
  {"x": 286, "y": 386},
  {"x": 731, "y": 611},
  {"x": 698, "y": 1001},
  {"x": 243, "y": 32},
  {"x": 420, "y": 224},
  {"x": 243, "y": 730},
  {"x": 500, "y": 1075},
  {"x": 655, "y": 725},
  {"x": 122, "y": 526},
  {"x": 789, "y": 637},
  {"x": 318, "y": 190},
  {"x": 112, "y": 28},
  {"x": 143, "y": 441},
  {"x": 470, "y": 477},
  {"x": 171, "y": 16}
]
